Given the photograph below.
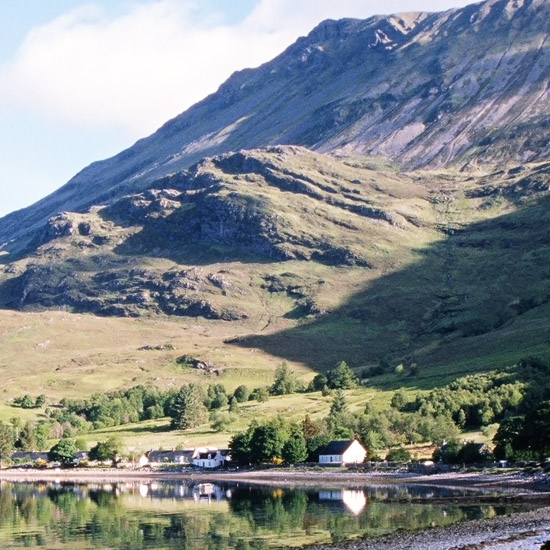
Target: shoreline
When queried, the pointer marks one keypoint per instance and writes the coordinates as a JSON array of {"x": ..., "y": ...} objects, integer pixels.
[
  {"x": 524, "y": 530},
  {"x": 520, "y": 531},
  {"x": 506, "y": 482}
]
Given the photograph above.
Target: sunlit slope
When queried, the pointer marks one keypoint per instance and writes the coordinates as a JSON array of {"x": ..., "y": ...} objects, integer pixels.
[{"x": 286, "y": 254}]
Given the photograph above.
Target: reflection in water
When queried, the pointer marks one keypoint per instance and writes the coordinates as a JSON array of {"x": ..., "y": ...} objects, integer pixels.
[
  {"x": 204, "y": 516},
  {"x": 353, "y": 500}
]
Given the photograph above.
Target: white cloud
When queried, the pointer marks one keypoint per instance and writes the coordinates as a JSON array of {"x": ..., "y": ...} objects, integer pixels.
[
  {"x": 135, "y": 71},
  {"x": 150, "y": 63}
]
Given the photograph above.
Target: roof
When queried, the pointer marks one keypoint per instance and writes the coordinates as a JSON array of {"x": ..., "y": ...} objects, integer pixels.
[
  {"x": 207, "y": 455},
  {"x": 336, "y": 447},
  {"x": 160, "y": 456},
  {"x": 29, "y": 455}
]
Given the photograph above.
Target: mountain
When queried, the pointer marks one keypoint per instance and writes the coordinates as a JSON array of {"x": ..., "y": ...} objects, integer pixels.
[
  {"x": 377, "y": 192},
  {"x": 318, "y": 257},
  {"x": 464, "y": 87},
  {"x": 207, "y": 241}
]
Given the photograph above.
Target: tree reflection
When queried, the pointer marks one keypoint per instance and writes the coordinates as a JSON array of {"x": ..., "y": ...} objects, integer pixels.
[{"x": 82, "y": 517}]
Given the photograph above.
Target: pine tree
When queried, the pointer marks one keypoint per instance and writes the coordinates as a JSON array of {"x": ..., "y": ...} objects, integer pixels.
[
  {"x": 341, "y": 377},
  {"x": 188, "y": 409},
  {"x": 339, "y": 404},
  {"x": 6, "y": 441},
  {"x": 27, "y": 439}
]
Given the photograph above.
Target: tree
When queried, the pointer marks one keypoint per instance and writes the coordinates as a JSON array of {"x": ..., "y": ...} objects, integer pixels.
[
  {"x": 318, "y": 383},
  {"x": 216, "y": 397},
  {"x": 107, "y": 450},
  {"x": 17, "y": 426},
  {"x": 310, "y": 428},
  {"x": 241, "y": 393},
  {"x": 294, "y": 449},
  {"x": 472, "y": 453},
  {"x": 42, "y": 434},
  {"x": 259, "y": 394},
  {"x": 266, "y": 443},
  {"x": 372, "y": 441},
  {"x": 7, "y": 440},
  {"x": 40, "y": 401},
  {"x": 219, "y": 421},
  {"x": 341, "y": 377},
  {"x": 63, "y": 451},
  {"x": 285, "y": 381},
  {"x": 25, "y": 402},
  {"x": 537, "y": 429},
  {"x": 525, "y": 436},
  {"x": 509, "y": 438},
  {"x": 398, "y": 454},
  {"x": 233, "y": 405},
  {"x": 399, "y": 399},
  {"x": 338, "y": 419},
  {"x": 239, "y": 445},
  {"x": 27, "y": 438},
  {"x": 188, "y": 408},
  {"x": 339, "y": 404}
]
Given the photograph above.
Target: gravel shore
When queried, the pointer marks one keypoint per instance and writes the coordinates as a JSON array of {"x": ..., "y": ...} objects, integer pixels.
[{"x": 522, "y": 531}]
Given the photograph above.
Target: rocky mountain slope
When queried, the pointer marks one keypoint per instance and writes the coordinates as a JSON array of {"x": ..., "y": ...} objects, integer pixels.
[
  {"x": 204, "y": 242},
  {"x": 339, "y": 202},
  {"x": 465, "y": 87},
  {"x": 318, "y": 258}
]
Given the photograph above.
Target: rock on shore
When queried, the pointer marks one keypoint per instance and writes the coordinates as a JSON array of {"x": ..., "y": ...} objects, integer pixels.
[{"x": 522, "y": 531}]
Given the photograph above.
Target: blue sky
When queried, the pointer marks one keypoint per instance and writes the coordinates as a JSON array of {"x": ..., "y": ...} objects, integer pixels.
[{"x": 80, "y": 80}]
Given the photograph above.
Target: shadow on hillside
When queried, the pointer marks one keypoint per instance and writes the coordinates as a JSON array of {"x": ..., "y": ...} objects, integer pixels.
[{"x": 474, "y": 294}]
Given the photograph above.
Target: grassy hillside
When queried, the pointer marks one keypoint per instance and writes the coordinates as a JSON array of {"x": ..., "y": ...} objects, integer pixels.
[
  {"x": 480, "y": 296},
  {"x": 257, "y": 257}
]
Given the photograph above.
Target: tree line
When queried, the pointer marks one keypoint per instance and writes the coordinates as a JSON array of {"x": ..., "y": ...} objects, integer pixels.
[{"x": 514, "y": 403}]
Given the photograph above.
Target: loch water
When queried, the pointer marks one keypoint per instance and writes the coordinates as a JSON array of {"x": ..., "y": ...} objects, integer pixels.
[{"x": 212, "y": 516}]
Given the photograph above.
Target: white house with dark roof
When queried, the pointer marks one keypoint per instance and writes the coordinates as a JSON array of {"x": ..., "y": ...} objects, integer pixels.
[
  {"x": 348, "y": 451},
  {"x": 212, "y": 458}
]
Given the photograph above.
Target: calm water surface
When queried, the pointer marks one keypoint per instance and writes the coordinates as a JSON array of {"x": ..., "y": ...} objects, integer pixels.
[{"x": 206, "y": 516}]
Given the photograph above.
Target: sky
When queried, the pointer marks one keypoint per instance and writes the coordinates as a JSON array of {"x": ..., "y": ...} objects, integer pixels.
[{"x": 81, "y": 80}]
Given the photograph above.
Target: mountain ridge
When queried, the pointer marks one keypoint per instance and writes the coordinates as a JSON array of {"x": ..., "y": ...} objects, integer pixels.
[
  {"x": 379, "y": 190},
  {"x": 413, "y": 87}
]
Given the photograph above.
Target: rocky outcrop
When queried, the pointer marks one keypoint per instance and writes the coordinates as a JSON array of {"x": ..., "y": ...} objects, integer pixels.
[
  {"x": 127, "y": 293},
  {"x": 57, "y": 226}
]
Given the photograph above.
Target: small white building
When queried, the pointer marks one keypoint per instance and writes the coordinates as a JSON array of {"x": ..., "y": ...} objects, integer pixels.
[
  {"x": 212, "y": 458},
  {"x": 342, "y": 452}
]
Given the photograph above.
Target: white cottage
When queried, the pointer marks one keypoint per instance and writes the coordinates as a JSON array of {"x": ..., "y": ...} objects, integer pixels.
[
  {"x": 212, "y": 458},
  {"x": 342, "y": 452}
]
